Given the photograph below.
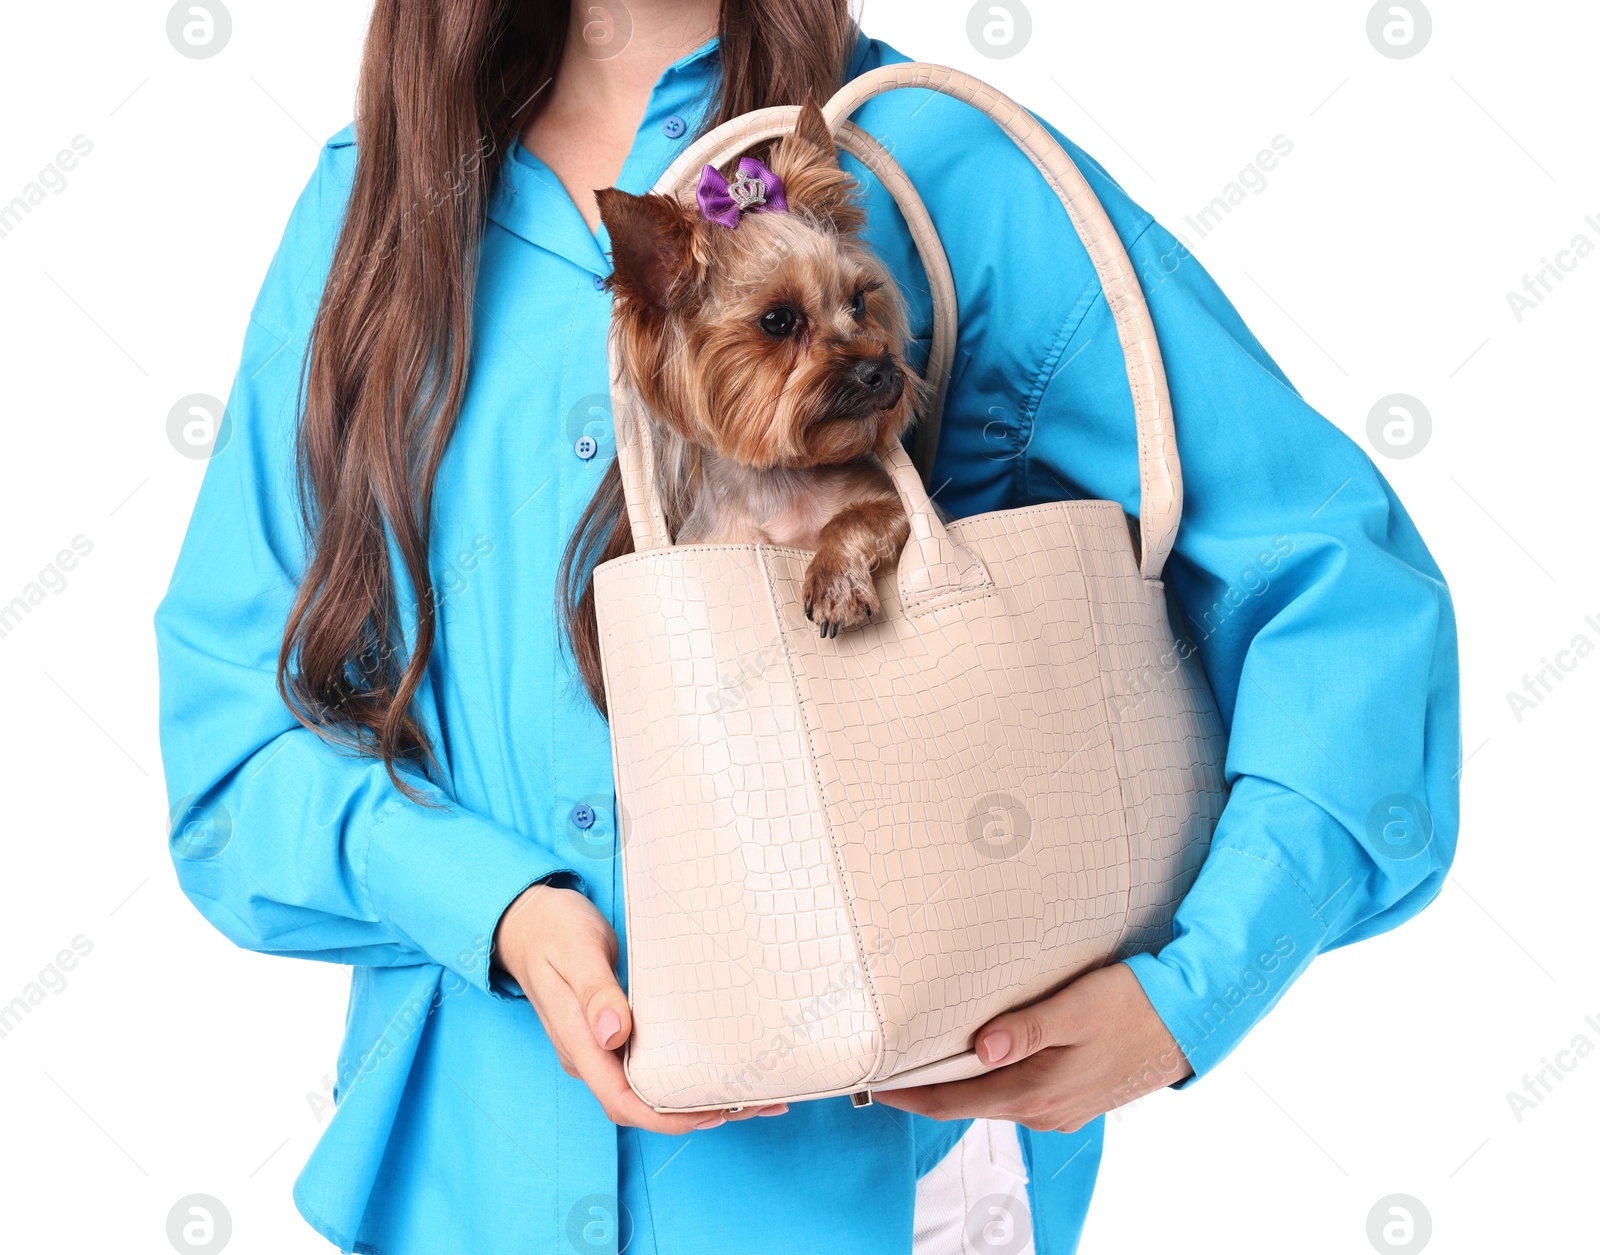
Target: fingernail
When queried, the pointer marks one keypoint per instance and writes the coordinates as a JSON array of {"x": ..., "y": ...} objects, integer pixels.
[
  {"x": 609, "y": 1026},
  {"x": 995, "y": 1047},
  {"x": 777, "y": 1109},
  {"x": 711, "y": 1123}
]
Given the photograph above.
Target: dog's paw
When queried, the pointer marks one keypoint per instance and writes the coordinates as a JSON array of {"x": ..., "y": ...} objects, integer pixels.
[{"x": 838, "y": 596}]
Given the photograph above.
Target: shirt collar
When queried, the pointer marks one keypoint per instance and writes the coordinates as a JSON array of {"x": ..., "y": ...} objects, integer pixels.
[{"x": 530, "y": 201}]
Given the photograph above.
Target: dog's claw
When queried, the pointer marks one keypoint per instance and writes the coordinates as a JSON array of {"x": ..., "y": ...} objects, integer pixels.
[{"x": 837, "y": 598}]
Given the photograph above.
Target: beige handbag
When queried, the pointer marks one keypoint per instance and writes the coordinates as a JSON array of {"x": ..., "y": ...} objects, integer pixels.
[{"x": 841, "y": 857}]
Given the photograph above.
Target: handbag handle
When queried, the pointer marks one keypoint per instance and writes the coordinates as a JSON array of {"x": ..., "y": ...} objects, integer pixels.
[
  {"x": 744, "y": 132},
  {"x": 1160, "y": 474},
  {"x": 933, "y": 564},
  {"x": 714, "y": 148}
]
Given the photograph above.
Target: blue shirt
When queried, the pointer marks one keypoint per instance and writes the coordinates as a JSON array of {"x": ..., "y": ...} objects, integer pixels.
[{"x": 1320, "y": 618}]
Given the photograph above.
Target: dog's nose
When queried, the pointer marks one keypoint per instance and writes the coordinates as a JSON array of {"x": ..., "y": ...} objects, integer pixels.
[{"x": 879, "y": 378}]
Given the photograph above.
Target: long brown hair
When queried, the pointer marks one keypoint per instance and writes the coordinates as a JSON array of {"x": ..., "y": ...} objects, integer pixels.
[{"x": 446, "y": 86}]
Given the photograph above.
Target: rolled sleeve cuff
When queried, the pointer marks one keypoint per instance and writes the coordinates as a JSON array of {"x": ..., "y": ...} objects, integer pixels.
[
  {"x": 443, "y": 877},
  {"x": 1237, "y": 946}
]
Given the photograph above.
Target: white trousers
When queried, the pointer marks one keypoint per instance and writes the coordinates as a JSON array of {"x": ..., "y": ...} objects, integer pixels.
[{"x": 974, "y": 1201}]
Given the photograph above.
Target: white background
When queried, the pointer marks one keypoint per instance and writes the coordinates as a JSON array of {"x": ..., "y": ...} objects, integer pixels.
[{"x": 1376, "y": 261}]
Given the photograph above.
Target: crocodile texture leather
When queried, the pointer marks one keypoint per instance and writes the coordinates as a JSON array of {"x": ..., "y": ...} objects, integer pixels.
[{"x": 842, "y": 856}]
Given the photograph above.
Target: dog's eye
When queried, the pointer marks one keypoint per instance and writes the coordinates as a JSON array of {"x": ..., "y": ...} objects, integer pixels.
[
  {"x": 780, "y": 321},
  {"x": 858, "y": 304}
]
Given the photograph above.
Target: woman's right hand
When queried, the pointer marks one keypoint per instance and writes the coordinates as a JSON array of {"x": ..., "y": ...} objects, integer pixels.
[{"x": 561, "y": 951}]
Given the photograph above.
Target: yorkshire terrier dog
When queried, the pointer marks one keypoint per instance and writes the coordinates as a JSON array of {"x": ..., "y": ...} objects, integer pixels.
[{"x": 765, "y": 339}]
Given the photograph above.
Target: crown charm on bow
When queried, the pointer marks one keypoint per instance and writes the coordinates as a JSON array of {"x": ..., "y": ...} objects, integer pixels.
[{"x": 754, "y": 189}]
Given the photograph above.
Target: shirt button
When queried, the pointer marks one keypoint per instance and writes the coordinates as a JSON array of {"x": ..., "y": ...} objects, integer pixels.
[
  {"x": 583, "y": 816},
  {"x": 674, "y": 127},
  {"x": 599, "y": 283},
  {"x": 585, "y": 449}
]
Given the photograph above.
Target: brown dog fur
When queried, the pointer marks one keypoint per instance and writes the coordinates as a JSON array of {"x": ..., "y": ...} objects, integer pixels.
[{"x": 770, "y": 435}]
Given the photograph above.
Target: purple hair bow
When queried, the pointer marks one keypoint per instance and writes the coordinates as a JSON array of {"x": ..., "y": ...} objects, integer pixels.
[{"x": 755, "y": 189}]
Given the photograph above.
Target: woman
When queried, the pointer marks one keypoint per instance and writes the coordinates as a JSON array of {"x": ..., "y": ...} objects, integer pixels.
[{"x": 377, "y": 553}]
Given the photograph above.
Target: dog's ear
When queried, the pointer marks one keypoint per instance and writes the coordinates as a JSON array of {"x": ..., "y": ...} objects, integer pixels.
[
  {"x": 652, "y": 245},
  {"x": 807, "y": 161},
  {"x": 812, "y": 128}
]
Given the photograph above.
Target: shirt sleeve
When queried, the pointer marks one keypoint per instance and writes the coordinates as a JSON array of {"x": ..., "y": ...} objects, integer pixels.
[
  {"x": 284, "y": 843},
  {"x": 1326, "y": 631}
]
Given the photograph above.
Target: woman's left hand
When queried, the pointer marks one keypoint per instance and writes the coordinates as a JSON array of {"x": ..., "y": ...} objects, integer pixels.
[{"x": 1060, "y": 1062}]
